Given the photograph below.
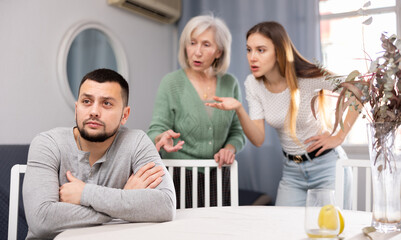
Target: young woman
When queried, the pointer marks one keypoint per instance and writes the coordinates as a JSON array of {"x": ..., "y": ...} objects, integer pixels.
[
  {"x": 280, "y": 90},
  {"x": 182, "y": 126}
]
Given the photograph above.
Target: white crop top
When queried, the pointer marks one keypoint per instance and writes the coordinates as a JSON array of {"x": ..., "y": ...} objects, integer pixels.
[{"x": 273, "y": 107}]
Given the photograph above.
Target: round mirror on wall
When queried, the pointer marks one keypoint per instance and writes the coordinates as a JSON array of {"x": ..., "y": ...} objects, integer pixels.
[
  {"x": 89, "y": 50},
  {"x": 86, "y": 47}
]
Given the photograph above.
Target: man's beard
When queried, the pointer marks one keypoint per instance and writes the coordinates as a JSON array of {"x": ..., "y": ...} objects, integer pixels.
[{"x": 101, "y": 137}]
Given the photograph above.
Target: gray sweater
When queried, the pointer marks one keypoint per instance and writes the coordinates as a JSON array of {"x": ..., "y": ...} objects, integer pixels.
[{"x": 53, "y": 153}]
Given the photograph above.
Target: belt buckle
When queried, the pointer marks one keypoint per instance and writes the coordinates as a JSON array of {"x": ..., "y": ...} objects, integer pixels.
[{"x": 298, "y": 159}]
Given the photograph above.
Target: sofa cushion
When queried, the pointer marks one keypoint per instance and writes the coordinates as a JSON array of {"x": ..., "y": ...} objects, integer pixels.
[{"x": 9, "y": 156}]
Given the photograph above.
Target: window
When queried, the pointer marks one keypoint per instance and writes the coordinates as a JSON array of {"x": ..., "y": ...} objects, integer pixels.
[{"x": 345, "y": 40}]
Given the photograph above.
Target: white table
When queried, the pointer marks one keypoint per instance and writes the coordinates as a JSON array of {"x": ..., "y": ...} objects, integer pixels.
[{"x": 231, "y": 223}]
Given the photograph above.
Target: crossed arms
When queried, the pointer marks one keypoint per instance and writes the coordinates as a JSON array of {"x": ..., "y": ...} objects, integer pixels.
[
  {"x": 146, "y": 195},
  {"x": 148, "y": 177}
]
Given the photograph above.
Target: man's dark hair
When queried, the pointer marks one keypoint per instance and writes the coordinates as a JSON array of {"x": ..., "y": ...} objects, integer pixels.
[{"x": 107, "y": 75}]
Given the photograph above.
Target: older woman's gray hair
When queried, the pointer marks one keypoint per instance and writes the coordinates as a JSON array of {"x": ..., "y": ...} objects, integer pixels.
[{"x": 196, "y": 26}]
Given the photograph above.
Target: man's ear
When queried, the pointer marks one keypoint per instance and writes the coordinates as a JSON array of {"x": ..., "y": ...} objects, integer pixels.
[{"x": 125, "y": 115}]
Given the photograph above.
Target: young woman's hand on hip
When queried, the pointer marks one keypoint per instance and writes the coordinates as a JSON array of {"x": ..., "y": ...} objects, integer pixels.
[{"x": 323, "y": 141}]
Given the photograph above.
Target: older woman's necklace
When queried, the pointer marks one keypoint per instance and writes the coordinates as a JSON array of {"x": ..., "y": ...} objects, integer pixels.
[
  {"x": 204, "y": 86},
  {"x": 208, "y": 90},
  {"x": 206, "y": 93}
]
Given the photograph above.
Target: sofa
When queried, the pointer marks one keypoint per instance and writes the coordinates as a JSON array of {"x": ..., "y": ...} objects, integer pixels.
[{"x": 9, "y": 156}]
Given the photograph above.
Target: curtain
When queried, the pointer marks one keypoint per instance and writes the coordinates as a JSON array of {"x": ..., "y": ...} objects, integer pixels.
[{"x": 260, "y": 169}]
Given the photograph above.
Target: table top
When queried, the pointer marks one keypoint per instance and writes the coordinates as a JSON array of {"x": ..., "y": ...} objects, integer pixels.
[{"x": 244, "y": 222}]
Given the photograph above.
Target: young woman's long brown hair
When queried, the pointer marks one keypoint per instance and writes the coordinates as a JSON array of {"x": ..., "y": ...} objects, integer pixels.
[{"x": 292, "y": 66}]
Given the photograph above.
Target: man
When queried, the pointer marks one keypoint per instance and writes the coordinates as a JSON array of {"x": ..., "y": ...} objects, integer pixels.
[{"x": 98, "y": 170}]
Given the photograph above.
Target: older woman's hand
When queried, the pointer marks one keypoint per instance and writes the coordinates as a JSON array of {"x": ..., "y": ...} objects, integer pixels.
[
  {"x": 165, "y": 140},
  {"x": 225, "y": 156}
]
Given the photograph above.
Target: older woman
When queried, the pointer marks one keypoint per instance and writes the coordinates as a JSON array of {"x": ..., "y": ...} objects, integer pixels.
[{"x": 182, "y": 126}]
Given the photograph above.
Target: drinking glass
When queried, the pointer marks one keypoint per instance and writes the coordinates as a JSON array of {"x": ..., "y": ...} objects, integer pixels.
[{"x": 321, "y": 215}]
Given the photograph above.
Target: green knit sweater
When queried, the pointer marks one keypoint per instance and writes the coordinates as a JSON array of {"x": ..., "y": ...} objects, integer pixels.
[{"x": 179, "y": 107}]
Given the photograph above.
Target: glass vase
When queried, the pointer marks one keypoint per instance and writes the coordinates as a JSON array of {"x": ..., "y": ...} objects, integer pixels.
[{"x": 385, "y": 157}]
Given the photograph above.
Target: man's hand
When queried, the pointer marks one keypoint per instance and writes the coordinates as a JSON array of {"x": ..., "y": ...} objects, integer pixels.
[
  {"x": 225, "y": 156},
  {"x": 225, "y": 103},
  {"x": 165, "y": 140},
  {"x": 71, "y": 192},
  {"x": 147, "y": 176}
]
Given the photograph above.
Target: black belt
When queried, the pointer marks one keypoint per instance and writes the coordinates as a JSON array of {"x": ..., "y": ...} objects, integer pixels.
[{"x": 302, "y": 158}]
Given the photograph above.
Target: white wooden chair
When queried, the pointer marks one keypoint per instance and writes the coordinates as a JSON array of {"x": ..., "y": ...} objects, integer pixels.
[
  {"x": 16, "y": 170},
  {"x": 357, "y": 166},
  {"x": 207, "y": 164}
]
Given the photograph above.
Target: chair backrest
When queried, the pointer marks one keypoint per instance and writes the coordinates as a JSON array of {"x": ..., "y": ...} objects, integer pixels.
[
  {"x": 207, "y": 164},
  {"x": 16, "y": 170},
  {"x": 357, "y": 166}
]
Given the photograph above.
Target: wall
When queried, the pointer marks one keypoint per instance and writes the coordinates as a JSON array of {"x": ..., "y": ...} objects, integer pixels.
[{"x": 30, "y": 36}]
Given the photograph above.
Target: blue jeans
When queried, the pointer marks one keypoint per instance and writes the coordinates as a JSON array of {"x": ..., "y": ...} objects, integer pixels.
[{"x": 319, "y": 173}]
